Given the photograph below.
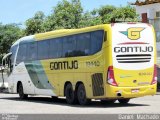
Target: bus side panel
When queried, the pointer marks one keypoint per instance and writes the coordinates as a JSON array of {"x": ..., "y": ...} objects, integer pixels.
[
  {"x": 79, "y": 78},
  {"x": 97, "y": 78},
  {"x": 20, "y": 74},
  {"x": 63, "y": 78},
  {"x": 54, "y": 81}
]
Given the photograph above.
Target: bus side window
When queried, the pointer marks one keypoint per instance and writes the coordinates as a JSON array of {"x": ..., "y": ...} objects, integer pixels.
[
  {"x": 22, "y": 52},
  {"x": 96, "y": 41},
  {"x": 32, "y": 51},
  {"x": 12, "y": 58},
  {"x": 83, "y": 44},
  {"x": 55, "y": 48},
  {"x": 43, "y": 49},
  {"x": 69, "y": 46}
]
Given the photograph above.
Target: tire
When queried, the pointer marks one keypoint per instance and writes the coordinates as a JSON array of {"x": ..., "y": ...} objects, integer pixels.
[
  {"x": 124, "y": 101},
  {"x": 71, "y": 96},
  {"x": 54, "y": 98},
  {"x": 81, "y": 94},
  {"x": 21, "y": 92},
  {"x": 108, "y": 101}
]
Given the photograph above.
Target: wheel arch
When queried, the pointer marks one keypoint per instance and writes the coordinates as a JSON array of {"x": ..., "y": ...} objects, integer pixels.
[{"x": 76, "y": 85}]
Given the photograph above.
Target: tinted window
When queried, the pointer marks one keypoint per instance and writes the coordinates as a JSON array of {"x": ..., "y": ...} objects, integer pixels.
[
  {"x": 96, "y": 41},
  {"x": 13, "y": 51},
  {"x": 55, "y": 48},
  {"x": 83, "y": 44},
  {"x": 69, "y": 46},
  {"x": 43, "y": 49},
  {"x": 32, "y": 51},
  {"x": 22, "y": 52}
]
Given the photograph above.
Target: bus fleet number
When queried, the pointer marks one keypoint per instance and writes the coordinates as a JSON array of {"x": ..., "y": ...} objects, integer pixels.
[{"x": 93, "y": 64}]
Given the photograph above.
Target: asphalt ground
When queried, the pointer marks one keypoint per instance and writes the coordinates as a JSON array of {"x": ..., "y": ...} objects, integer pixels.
[{"x": 10, "y": 103}]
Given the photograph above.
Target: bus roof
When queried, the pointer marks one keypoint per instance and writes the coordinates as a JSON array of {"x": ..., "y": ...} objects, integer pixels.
[
  {"x": 58, "y": 33},
  {"x": 64, "y": 32},
  {"x": 26, "y": 38}
]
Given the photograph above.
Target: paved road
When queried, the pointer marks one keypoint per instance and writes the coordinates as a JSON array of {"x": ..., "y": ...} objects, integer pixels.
[{"x": 10, "y": 103}]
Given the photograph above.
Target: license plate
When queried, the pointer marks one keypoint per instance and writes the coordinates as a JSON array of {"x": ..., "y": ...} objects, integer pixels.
[{"x": 135, "y": 90}]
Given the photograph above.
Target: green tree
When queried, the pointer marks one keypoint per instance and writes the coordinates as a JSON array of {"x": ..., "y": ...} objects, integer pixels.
[
  {"x": 106, "y": 13},
  {"x": 69, "y": 14},
  {"x": 65, "y": 15},
  {"x": 110, "y": 14},
  {"x": 8, "y": 34},
  {"x": 126, "y": 13},
  {"x": 90, "y": 19},
  {"x": 35, "y": 24}
]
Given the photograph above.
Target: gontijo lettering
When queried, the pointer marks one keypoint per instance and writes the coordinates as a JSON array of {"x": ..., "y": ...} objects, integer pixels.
[
  {"x": 135, "y": 49},
  {"x": 64, "y": 65}
]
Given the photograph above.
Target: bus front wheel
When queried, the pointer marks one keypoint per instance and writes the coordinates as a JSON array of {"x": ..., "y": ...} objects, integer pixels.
[
  {"x": 71, "y": 96},
  {"x": 21, "y": 92},
  {"x": 124, "y": 101},
  {"x": 81, "y": 93}
]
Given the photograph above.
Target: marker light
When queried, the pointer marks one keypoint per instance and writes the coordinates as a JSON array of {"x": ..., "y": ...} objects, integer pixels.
[
  {"x": 154, "y": 81},
  {"x": 110, "y": 78}
]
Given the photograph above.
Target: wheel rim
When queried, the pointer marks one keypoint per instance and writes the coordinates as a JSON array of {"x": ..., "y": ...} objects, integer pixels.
[
  {"x": 70, "y": 93},
  {"x": 20, "y": 90},
  {"x": 82, "y": 95}
]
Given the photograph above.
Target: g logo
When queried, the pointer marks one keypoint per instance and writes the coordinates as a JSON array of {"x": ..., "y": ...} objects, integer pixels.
[{"x": 133, "y": 33}]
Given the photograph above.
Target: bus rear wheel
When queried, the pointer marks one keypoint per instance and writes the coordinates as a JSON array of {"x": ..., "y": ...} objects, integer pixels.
[
  {"x": 81, "y": 93},
  {"x": 21, "y": 92},
  {"x": 71, "y": 96},
  {"x": 124, "y": 101}
]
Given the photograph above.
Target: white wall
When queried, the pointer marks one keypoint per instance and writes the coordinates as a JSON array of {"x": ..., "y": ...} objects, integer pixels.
[{"x": 144, "y": 9}]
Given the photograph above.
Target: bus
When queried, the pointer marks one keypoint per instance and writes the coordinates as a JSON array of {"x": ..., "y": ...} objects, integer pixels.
[{"x": 106, "y": 62}]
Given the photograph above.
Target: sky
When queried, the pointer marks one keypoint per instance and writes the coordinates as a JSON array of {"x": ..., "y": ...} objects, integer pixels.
[{"x": 18, "y": 11}]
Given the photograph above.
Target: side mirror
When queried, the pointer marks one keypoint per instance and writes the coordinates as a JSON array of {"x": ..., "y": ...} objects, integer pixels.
[
  {"x": 4, "y": 60},
  {"x": 1, "y": 68}
]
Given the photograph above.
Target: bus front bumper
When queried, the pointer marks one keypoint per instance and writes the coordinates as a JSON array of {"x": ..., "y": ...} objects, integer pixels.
[{"x": 113, "y": 92}]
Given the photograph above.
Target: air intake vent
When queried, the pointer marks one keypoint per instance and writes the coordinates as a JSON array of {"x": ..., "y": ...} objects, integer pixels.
[
  {"x": 133, "y": 58},
  {"x": 97, "y": 84}
]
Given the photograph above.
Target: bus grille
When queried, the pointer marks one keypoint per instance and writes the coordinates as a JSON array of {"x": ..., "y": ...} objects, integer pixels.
[
  {"x": 133, "y": 58},
  {"x": 97, "y": 84}
]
